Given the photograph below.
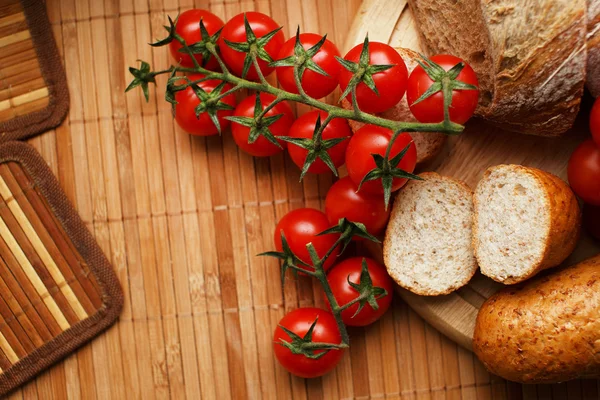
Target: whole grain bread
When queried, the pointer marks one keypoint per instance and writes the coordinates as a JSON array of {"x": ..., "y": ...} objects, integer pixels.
[
  {"x": 526, "y": 220},
  {"x": 427, "y": 247},
  {"x": 593, "y": 47},
  {"x": 429, "y": 144},
  {"x": 530, "y": 56},
  {"x": 546, "y": 330}
]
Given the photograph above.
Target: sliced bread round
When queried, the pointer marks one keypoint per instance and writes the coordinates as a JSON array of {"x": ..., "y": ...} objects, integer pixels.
[
  {"x": 526, "y": 220},
  {"x": 428, "y": 242}
]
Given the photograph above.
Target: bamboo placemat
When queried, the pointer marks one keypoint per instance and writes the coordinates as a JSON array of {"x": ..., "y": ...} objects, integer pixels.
[
  {"x": 181, "y": 219},
  {"x": 33, "y": 92}
]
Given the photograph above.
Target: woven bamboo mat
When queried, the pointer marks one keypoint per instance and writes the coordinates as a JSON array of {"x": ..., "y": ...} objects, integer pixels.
[{"x": 181, "y": 219}]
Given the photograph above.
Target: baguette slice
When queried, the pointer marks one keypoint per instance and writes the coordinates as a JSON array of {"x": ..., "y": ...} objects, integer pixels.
[
  {"x": 427, "y": 247},
  {"x": 526, "y": 220},
  {"x": 429, "y": 144}
]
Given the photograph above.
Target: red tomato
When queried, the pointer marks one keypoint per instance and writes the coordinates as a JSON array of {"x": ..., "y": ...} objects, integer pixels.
[
  {"x": 325, "y": 331},
  {"x": 235, "y": 31},
  {"x": 313, "y": 83},
  {"x": 300, "y": 227},
  {"x": 350, "y": 269},
  {"x": 584, "y": 172},
  {"x": 343, "y": 201},
  {"x": 187, "y": 101},
  {"x": 304, "y": 127},
  {"x": 372, "y": 139},
  {"x": 595, "y": 121},
  {"x": 431, "y": 109},
  {"x": 390, "y": 83},
  {"x": 188, "y": 27},
  {"x": 262, "y": 147},
  {"x": 591, "y": 220}
]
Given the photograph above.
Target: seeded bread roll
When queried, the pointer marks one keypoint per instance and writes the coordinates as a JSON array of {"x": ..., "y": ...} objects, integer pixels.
[
  {"x": 427, "y": 247},
  {"x": 526, "y": 220},
  {"x": 429, "y": 144},
  {"x": 546, "y": 330}
]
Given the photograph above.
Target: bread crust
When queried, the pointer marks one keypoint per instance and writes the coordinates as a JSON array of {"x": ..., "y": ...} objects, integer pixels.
[
  {"x": 564, "y": 227},
  {"x": 429, "y": 144},
  {"x": 388, "y": 239},
  {"x": 546, "y": 330},
  {"x": 593, "y": 47},
  {"x": 530, "y": 56}
]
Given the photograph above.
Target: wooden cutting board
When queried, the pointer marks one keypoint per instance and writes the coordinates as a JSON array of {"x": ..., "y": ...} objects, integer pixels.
[{"x": 466, "y": 157}]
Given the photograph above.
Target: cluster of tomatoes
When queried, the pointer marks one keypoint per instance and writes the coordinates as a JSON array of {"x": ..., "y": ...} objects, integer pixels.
[{"x": 584, "y": 173}]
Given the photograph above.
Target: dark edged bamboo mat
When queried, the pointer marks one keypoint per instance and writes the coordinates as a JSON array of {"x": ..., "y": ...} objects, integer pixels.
[
  {"x": 57, "y": 290},
  {"x": 33, "y": 93}
]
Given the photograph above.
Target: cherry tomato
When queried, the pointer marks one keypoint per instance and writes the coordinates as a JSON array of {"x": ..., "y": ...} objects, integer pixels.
[
  {"x": 313, "y": 83},
  {"x": 343, "y": 201},
  {"x": 391, "y": 83},
  {"x": 304, "y": 127},
  {"x": 325, "y": 331},
  {"x": 300, "y": 227},
  {"x": 464, "y": 102},
  {"x": 591, "y": 220},
  {"x": 595, "y": 121},
  {"x": 235, "y": 31},
  {"x": 188, "y": 27},
  {"x": 188, "y": 100},
  {"x": 350, "y": 270},
  {"x": 262, "y": 147},
  {"x": 370, "y": 140},
  {"x": 584, "y": 172}
]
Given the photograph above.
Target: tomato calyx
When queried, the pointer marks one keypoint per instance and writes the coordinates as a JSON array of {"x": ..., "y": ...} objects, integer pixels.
[
  {"x": 316, "y": 146},
  {"x": 211, "y": 102},
  {"x": 289, "y": 260},
  {"x": 259, "y": 124},
  {"x": 142, "y": 77},
  {"x": 253, "y": 47},
  {"x": 206, "y": 46},
  {"x": 362, "y": 71},
  {"x": 305, "y": 345},
  {"x": 367, "y": 293},
  {"x": 347, "y": 230},
  {"x": 172, "y": 33}
]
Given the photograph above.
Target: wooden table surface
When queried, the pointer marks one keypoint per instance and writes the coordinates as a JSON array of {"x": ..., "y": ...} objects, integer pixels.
[{"x": 181, "y": 219}]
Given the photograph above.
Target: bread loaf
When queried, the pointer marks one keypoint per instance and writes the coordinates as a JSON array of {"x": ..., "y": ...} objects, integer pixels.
[
  {"x": 526, "y": 220},
  {"x": 429, "y": 144},
  {"x": 546, "y": 330},
  {"x": 530, "y": 56},
  {"x": 427, "y": 247},
  {"x": 593, "y": 47}
]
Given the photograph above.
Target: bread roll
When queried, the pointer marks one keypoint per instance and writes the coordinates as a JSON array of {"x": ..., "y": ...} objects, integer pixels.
[
  {"x": 429, "y": 144},
  {"x": 530, "y": 56},
  {"x": 427, "y": 247},
  {"x": 526, "y": 220},
  {"x": 546, "y": 330}
]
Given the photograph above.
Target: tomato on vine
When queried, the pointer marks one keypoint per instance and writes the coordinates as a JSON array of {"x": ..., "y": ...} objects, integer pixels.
[
  {"x": 321, "y": 71},
  {"x": 246, "y": 31},
  {"x": 257, "y": 138},
  {"x": 188, "y": 27},
  {"x": 364, "y": 282},
  {"x": 431, "y": 108},
  {"x": 584, "y": 172},
  {"x": 379, "y": 74},
  {"x": 300, "y": 227},
  {"x": 306, "y": 326},
  {"x": 344, "y": 200},
  {"x": 196, "y": 116},
  {"x": 324, "y": 150}
]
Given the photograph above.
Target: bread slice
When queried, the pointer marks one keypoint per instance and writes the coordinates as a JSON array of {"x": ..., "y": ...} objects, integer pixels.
[
  {"x": 530, "y": 56},
  {"x": 429, "y": 144},
  {"x": 428, "y": 242},
  {"x": 526, "y": 220},
  {"x": 593, "y": 47}
]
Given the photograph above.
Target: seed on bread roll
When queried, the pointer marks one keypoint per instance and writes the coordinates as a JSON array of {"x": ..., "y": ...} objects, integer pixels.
[
  {"x": 546, "y": 330},
  {"x": 526, "y": 220},
  {"x": 429, "y": 144},
  {"x": 427, "y": 247}
]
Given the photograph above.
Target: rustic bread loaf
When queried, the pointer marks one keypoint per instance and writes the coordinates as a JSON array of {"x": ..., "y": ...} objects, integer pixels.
[
  {"x": 427, "y": 247},
  {"x": 546, "y": 330},
  {"x": 526, "y": 220},
  {"x": 429, "y": 144},
  {"x": 530, "y": 56},
  {"x": 593, "y": 46}
]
